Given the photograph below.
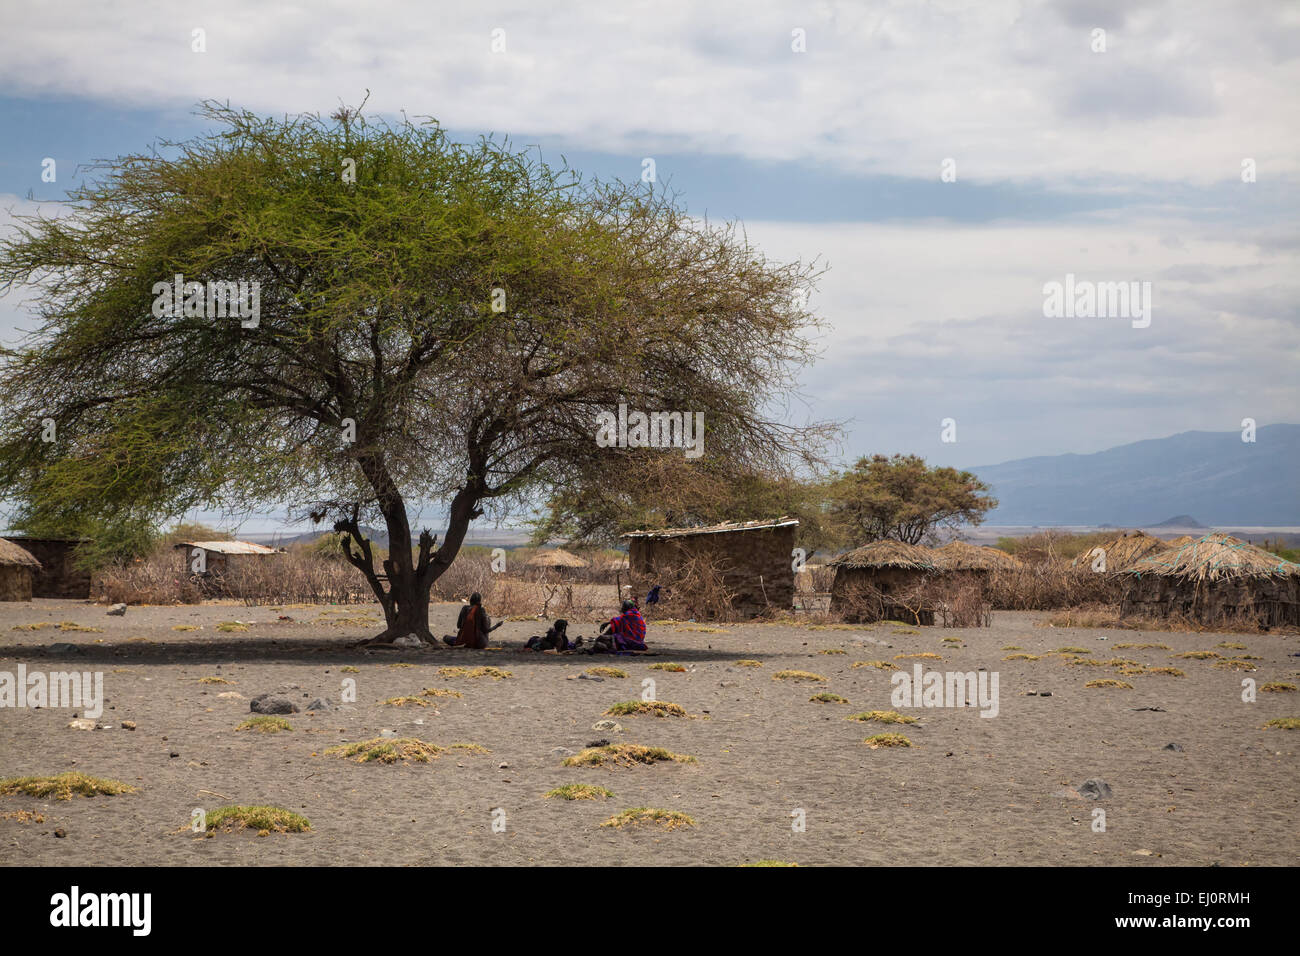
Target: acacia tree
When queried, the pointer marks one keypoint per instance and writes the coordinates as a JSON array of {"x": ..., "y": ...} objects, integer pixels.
[
  {"x": 905, "y": 499},
  {"x": 437, "y": 323}
]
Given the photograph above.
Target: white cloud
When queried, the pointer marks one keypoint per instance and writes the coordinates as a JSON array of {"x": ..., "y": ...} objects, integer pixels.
[{"x": 1010, "y": 89}]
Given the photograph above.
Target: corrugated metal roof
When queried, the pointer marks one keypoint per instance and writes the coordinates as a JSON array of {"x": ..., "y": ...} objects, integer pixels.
[
  {"x": 229, "y": 547},
  {"x": 726, "y": 526}
]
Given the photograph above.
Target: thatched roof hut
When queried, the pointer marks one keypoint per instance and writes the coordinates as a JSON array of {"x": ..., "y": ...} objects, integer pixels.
[
  {"x": 962, "y": 556},
  {"x": 16, "y": 570},
  {"x": 1214, "y": 578},
  {"x": 880, "y": 581},
  {"x": 557, "y": 558},
  {"x": 1122, "y": 551},
  {"x": 1180, "y": 541}
]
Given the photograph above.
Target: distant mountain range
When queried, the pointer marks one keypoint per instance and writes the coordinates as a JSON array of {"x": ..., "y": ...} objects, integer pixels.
[{"x": 1213, "y": 475}]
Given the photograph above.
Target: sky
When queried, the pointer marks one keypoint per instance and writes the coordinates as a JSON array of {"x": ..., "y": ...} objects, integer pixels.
[{"x": 943, "y": 161}]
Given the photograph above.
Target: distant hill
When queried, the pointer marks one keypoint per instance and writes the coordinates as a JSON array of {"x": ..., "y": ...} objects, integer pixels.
[
  {"x": 1213, "y": 475},
  {"x": 1177, "y": 521}
]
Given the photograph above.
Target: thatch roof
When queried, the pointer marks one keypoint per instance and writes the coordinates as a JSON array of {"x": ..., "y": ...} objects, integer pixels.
[
  {"x": 726, "y": 526},
  {"x": 887, "y": 553},
  {"x": 1180, "y": 541},
  {"x": 12, "y": 555},
  {"x": 1215, "y": 556},
  {"x": 1123, "y": 550},
  {"x": 556, "y": 558},
  {"x": 962, "y": 556}
]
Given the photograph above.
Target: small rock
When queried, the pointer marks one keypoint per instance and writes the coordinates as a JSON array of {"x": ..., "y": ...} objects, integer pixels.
[
  {"x": 63, "y": 647},
  {"x": 607, "y": 726},
  {"x": 1174, "y": 747},
  {"x": 503, "y": 766},
  {"x": 272, "y": 704},
  {"x": 231, "y": 695},
  {"x": 387, "y": 733},
  {"x": 82, "y": 723},
  {"x": 117, "y": 610},
  {"x": 1143, "y": 853},
  {"x": 408, "y": 640},
  {"x": 128, "y": 725},
  {"x": 320, "y": 703},
  {"x": 561, "y": 752},
  {"x": 60, "y": 833},
  {"x": 591, "y": 677},
  {"x": 598, "y": 743},
  {"x": 1095, "y": 789},
  {"x": 729, "y": 683},
  {"x": 1158, "y": 710},
  {"x": 1044, "y": 693},
  {"x": 173, "y": 754}
]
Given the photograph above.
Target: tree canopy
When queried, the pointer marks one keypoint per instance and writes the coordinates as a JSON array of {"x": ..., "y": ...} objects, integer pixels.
[
  {"x": 901, "y": 497},
  {"x": 433, "y": 322}
]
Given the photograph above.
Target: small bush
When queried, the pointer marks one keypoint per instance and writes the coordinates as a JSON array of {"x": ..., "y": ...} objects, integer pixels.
[
  {"x": 261, "y": 819},
  {"x": 634, "y": 708},
  {"x": 611, "y": 672},
  {"x": 887, "y": 740},
  {"x": 1283, "y": 723},
  {"x": 626, "y": 755},
  {"x": 828, "y": 699},
  {"x": 668, "y": 666},
  {"x": 387, "y": 750}
]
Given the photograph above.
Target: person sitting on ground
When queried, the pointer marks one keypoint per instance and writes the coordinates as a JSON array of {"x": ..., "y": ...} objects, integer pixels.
[
  {"x": 556, "y": 639},
  {"x": 472, "y": 627},
  {"x": 623, "y": 633}
]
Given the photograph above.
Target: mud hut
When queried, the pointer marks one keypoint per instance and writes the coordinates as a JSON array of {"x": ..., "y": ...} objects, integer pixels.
[
  {"x": 58, "y": 576},
  {"x": 1122, "y": 551},
  {"x": 1215, "y": 578},
  {"x": 977, "y": 560},
  {"x": 556, "y": 559},
  {"x": 740, "y": 568},
  {"x": 212, "y": 562},
  {"x": 881, "y": 581},
  {"x": 16, "y": 570}
]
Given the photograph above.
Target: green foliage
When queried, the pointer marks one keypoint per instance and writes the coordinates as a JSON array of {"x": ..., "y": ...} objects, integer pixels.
[{"x": 903, "y": 498}]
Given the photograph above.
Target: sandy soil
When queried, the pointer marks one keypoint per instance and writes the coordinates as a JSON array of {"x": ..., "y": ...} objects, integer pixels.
[{"x": 971, "y": 790}]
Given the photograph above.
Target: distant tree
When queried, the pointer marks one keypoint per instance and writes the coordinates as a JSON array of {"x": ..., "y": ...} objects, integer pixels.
[
  {"x": 903, "y": 498},
  {"x": 436, "y": 323}
]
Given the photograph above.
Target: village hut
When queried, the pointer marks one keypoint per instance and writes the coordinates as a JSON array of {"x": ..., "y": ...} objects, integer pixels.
[
  {"x": 1180, "y": 541},
  {"x": 977, "y": 560},
  {"x": 880, "y": 581},
  {"x": 1122, "y": 551},
  {"x": 17, "y": 567},
  {"x": 558, "y": 560},
  {"x": 214, "y": 561},
  {"x": 744, "y": 566},
  {"x": 1215, "y": 577},
  {"x": 58, "y": 575}
]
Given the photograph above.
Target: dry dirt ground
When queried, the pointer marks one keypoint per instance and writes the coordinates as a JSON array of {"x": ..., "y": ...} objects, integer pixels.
[{"x": 971, "y": 790}]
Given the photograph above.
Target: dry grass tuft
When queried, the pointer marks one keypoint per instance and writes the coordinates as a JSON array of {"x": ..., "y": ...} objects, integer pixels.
[
  {"x": 611, "y": 672},
  {"x": 798, "y": 675},
  {"x": 640, "y": 816},
  {"x": 635, "y": 708},
  {"x": 387, "y": 750},
  {"x": 262, "y": 819},
  {"x": 1107, "y": 682},
  {"x": 882, "y": 717},
  {"x": 62, "y": 786},
  {"x": 887, "y": 740},
  {"x": 495, "y": 673},
  {"x": 828, "y": 699},
  {"x": 265, "y": 724},
  {"x": 578, "y": 791},
  {"x": 624, "y": 755}
]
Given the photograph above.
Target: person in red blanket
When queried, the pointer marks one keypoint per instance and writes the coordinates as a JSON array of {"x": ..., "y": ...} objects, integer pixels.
[{"x": 623, "y": 633}]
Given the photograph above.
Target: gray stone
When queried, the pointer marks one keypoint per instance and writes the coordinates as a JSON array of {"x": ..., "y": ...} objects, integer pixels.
[
  {"x": 320, "y": 703},
  {"x": 272, "y": 704},
  {"x": 1177, "y": 748},
  {"x": 1095, "y": 789},
  {"x": 117, "y": 610},
  {"x": 607, "y": 726},
  {"x": 64, "y": 648},
  {"x": 408, "y": 640},
  {"x": 82, "y": 723}
]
